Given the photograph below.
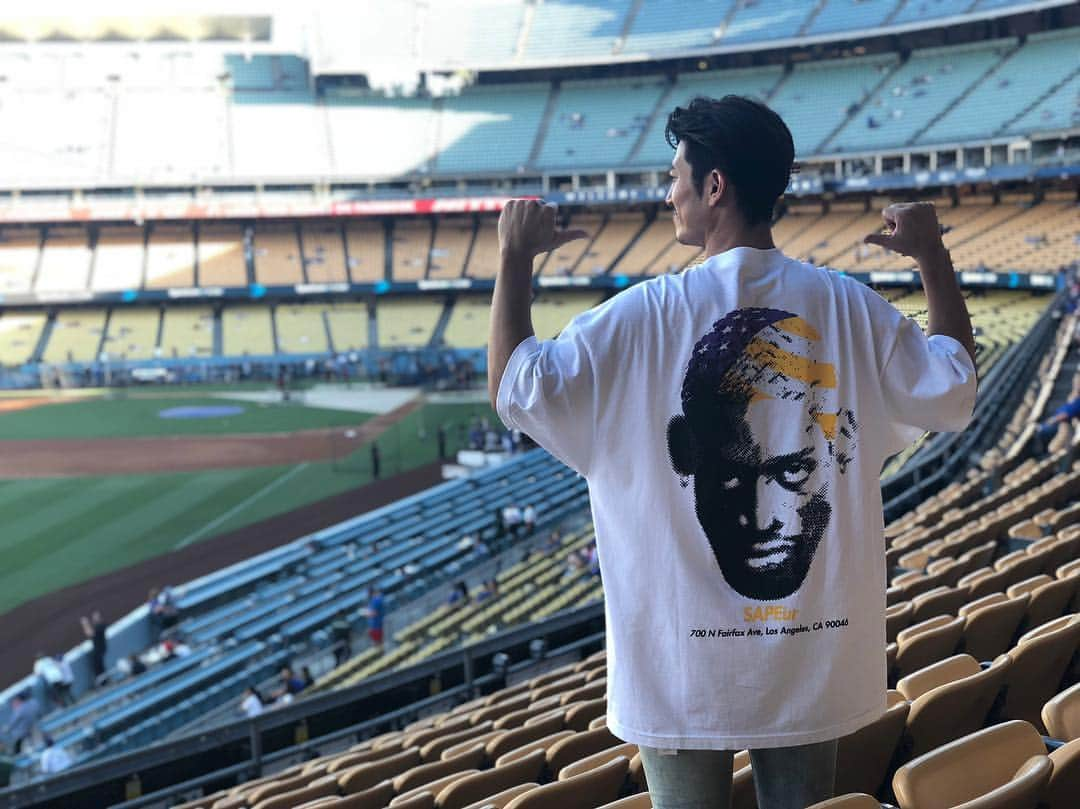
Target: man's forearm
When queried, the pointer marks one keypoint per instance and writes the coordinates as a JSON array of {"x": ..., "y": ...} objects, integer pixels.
[
  {"x": 511, "y": 316},
  {"x": 948, "y": 313}
]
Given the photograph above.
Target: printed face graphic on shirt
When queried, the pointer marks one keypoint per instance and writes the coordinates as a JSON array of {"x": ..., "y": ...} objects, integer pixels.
[{"x": 762, "y": 435}]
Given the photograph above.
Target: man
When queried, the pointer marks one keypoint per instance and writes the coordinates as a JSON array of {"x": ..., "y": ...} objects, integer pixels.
[
  {"x": 54, "y": 758},
  {"x": 376, "y": 614},
  {"x": 23, "y": 722},
  {"x": 746, "y": 611},
  {"x": 52, "y": 675},
  {"x": 94, "y": 629}
]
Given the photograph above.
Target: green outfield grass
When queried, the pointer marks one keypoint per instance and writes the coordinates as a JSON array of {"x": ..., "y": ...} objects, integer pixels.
[
  {"x": 138, "y": 416},
  {"x": 60, "y": 531}
]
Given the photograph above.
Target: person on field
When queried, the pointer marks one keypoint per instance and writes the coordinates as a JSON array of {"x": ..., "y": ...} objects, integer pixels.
[{"x": 732, "y": 421}]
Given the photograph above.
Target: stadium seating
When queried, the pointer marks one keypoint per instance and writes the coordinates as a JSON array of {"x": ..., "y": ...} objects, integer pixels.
[
  {"x": 564, "y": 29},
  {"x": 366, "y": 243},
  {"x": 412, "y": 248},
  {"x": 20, "y": 249},
  {"x": 469, "y": 322},
  {"x": 484, "y": 259},
  {"x": 301, "y": 329},
  {"x": 75, "y": 337},
  {"x": 247, "y": 331},
  {"x": 489, "y": 128},
  {"x": 1043, "y": 62},
  {"x": 595, "y": 124},
  {"x": 19, "y": 336},
  {"x": 849, "y": 15},
  {"x": 65, "y": 260},
  {"x": 187, "y": 332},
  {"x": 406, "y": 323},
  {"x": 277, "y": 255},
  {"x": 132, "y": 334},
  {"x": 299, "y": 147},
  {"x": 488, "y": 28},
  {"x": 667, "y": 25},
  {"x": 607, "y": 244},
  {"x": 348, "y": 324},
  {"x": 780, "y": 19},
  {"x": 912, "y": 97},
  {"x": 324, "y": 253},
  {"x": 406, "y": 143},
  {"x": 450, "y": 247},
  {"x": 221, "y": 256},
  {"x": 170, "y": 257},
  {"x": 118, "y": 261},
  {"x": 154, "y": 138}
]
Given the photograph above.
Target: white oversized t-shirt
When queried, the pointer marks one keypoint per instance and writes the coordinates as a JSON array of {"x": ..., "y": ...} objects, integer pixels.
[{"x": 732, "y": 422}]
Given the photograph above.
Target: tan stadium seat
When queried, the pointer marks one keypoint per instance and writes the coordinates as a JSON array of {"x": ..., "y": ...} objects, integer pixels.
[
  {"x": 425, "y": 722},
  {"x": 597, "y": 688},
  {"x": 1050, "y": 599},
  {"x": 863, "y": 757},
  {"x": 433, "y": 750},
  {"x": 596, "y": 759},
  {"x": 481, "y": 785},
  {"x": 953, "y": 709},
  {"x": 639, "y": 801},
  {"x": 576, "y": 747},
  {"x": 1063, "y": 791},
  {"x": 1061, "y": 714},
  {"x": 637, "y": 772},
  {"x": 519, "y": 718},
  {"x": 927, "y": 642},
  {"x": 261, "y": 793},
  {"x": 850, "y": 801},
  {"x": 233, "y": 802},
  {"x": 365, "y": 776},
  {"x": 579, "y": 714},
  {"x": 599, "y": 722},
  {"x": 979, "y": 556},
  {"x": 596, "y": 674},
  {"x": 416, "y": 799},
  {"x": 559, "y": 686},
  {"x": 348, "y": 760},
  {"x": 1040, "y": 660},
  {"x": 320, "y": 802},
  {"x": 500, "y": 800},
  {"x": 319, "y": 788},
  {"x": 375, "y": 797},
  {"x": 991, "y": 623},
  {"x": 513, "y": 739},
  {"x": 939, "y": 601},
  {"x": 559, "y": 711},
  {"x": 590, "y": 789},
  {"x": 1001, "y": 767},
  {"x": 897, "y": 617},
  {"x": 421, "y": 737},
  {"x": 986, "y": 581},
  {"x": 540, "y": 744},
  {"x": 510, "y": 692},
  {"x": 461, "y": 747},
  {"x": 500, "y": 709},
  {"x": 553, "y": 676},
  {"x": 471, "y": 759}
]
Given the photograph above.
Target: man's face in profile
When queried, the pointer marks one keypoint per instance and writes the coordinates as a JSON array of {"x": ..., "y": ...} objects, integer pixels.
[{"x": 761, "y": 496}]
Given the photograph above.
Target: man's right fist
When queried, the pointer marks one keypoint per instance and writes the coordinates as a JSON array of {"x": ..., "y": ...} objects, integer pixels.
[
  {"x": 527, "y": 229},
  {"x": 912, "y": 229}
]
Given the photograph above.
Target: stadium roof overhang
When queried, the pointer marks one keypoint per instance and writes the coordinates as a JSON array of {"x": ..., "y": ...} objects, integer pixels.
[{"x": 139, "y": 28}]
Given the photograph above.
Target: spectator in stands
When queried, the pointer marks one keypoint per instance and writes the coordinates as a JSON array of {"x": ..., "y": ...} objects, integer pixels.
[
  {"x": 54, "y": 758},
  {"x": 729, "y": 420},
  {"x": 48, "y": 669},
  {"x": 376, "y": 614},
  {"x": 512, "y": 519},
  {"x": 459, "y": 596},
  {"x": 307, "y": 677},
  {"x": 528, "y": 519},
  {"x": 490, "y": 591},
  {"x": 291, "y": 685},
  {"x": 554, "y": 541},
  {"x": 341, "y": 633},
  {"x": 94, "y": 629},
  {"x": 1067, "y": 413},
  {"x": 162, "y": 607},
  {"x": 251, "y": 702},
  {"x": 136, "y": 666},
  {"x": 25, "y": 712}
]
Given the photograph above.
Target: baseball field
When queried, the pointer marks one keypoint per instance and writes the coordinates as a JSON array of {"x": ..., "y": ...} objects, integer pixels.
[{"x": 99, "y": 481}]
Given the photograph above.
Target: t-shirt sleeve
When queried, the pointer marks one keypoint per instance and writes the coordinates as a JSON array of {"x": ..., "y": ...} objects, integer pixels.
[
  {"x": 550, "y": 389},
  {"x": 929, "y": 383}
]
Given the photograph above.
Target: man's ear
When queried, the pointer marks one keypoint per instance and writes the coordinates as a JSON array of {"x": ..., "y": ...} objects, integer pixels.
[
  {"x": 715, "y": 186},
  {"x": 681, "y": 446}
]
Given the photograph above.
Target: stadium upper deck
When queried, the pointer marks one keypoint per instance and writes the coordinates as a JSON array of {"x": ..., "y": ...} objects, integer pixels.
[{"x": 106, "y": 115}]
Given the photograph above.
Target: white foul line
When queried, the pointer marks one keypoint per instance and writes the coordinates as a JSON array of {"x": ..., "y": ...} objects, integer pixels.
[{"x": 183, "y": 543}]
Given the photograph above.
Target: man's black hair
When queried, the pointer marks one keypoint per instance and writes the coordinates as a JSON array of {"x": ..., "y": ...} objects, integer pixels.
[{"x": 743, "y": 139}]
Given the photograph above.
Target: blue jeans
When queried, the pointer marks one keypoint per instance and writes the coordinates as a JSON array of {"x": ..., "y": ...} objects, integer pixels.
[{"x": 784, "y": 777}]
